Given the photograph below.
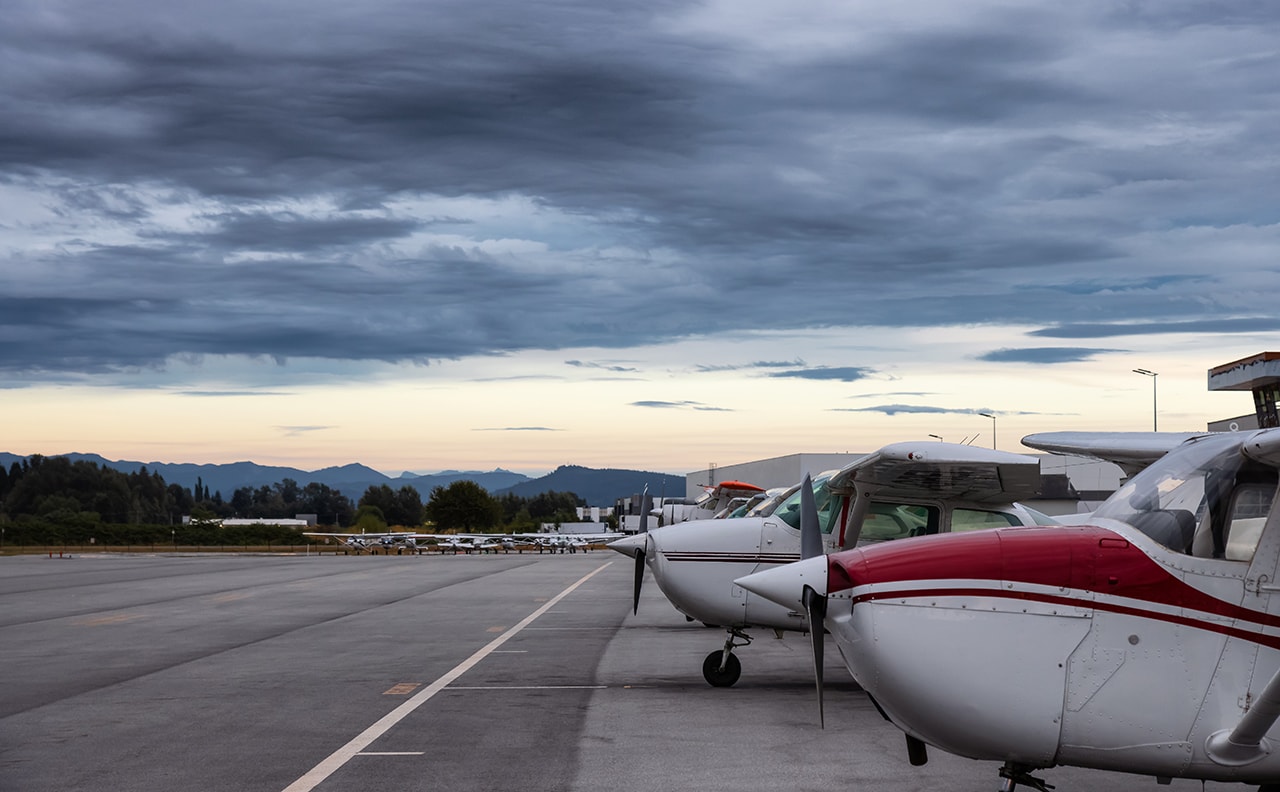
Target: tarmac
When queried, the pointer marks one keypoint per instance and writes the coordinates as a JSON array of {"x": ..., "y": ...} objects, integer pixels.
[{"x": 155, "y": 673}]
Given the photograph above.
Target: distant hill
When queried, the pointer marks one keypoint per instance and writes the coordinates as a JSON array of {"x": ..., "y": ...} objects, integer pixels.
[
  {"x": 351, "y": 480},
  {"x": 600, "y": 487},
  {"x": 597, "y": 487}
]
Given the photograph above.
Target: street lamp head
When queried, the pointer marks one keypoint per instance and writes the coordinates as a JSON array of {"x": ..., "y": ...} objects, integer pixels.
[
  {"x": 1153, "y": 375},
  {"x": 992, "y": 416}
]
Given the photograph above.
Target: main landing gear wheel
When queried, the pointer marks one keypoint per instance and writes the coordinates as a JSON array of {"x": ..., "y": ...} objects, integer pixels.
[
  {"x": 717, "y": 676},
  {"x": 1014, "y": 773}
]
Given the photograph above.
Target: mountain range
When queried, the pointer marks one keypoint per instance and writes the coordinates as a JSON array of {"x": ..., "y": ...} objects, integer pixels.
[{"x": 599, "y": 487}]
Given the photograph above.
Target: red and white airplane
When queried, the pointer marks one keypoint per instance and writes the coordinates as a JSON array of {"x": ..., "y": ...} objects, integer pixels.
[
  {"x": 904, "y": 489},
  {"x": 1148, "y": 642}
]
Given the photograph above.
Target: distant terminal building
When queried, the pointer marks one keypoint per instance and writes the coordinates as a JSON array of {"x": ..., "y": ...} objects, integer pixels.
[
  {"x": 1068, "y": 484},
  {"x": 283, "y": 522},
  {"x": 301, "y": 521}
]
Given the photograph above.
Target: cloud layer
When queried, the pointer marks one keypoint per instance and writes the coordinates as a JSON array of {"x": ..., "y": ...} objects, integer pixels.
[{"x": 419, "y": 182}]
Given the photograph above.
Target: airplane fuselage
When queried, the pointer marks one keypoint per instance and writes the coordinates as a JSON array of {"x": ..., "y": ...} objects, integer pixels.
[
  {"x": 695, "y": 564},
  {"x": 1121, "y": 654}
]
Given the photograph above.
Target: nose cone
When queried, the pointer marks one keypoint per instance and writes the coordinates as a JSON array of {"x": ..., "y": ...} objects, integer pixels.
[
  {"x": 785, "y": 584},
  {"x": 628, "y": 545}
]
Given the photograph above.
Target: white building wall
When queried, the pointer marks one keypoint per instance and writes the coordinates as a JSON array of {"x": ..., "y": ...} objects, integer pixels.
[
  {"x": 780, "y": 471},
  {"x": 1084, "y": 474}
]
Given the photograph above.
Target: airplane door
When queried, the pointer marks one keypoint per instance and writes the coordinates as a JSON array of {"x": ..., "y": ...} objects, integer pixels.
[{"x": 779, "y": 544}]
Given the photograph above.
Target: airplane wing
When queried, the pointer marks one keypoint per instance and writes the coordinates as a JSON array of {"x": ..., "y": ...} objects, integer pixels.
[
  {"x": 943, "y": 471},
  {"x": 1131, "y": 451}
]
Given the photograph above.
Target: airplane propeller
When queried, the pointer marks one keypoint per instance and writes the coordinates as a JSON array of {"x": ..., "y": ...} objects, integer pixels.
[
  {"x": 635, "y": 546},
  {"x": 815, "y": 604},
  {"x": 645, "y": 505},
  {"x": 639, "y": 581}
]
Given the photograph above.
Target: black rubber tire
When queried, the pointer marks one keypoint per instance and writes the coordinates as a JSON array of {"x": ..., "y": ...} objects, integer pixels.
[{"x": 717, "y": 678}]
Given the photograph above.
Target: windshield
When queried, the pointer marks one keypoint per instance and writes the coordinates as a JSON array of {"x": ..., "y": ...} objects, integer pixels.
[
  {"x": 771, "y": 504},
  {"x": 1190, "y": 499},
  {"x": 789, "y": 510}
]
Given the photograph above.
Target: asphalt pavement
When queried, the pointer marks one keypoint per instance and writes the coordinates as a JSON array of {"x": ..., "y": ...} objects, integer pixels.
[{"x": 154, "y": 673}]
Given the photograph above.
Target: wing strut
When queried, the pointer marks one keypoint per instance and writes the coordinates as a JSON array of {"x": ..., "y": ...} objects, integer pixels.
[{"x": 1247, "y": 743}]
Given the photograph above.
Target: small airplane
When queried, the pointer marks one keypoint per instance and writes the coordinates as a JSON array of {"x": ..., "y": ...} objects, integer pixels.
[
  {"x": 1147, "y": 642},
  {"x": 1131, "y": 451},
  {"x": 371, "y": 542},
  {"x": 716, "y": 500},
  {"x": 468, "y": 543},
  {"x": 903, "y": 489}
]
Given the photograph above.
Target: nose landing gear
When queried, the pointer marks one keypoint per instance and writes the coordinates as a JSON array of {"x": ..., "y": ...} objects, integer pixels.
[{"x": 722, "y": 668}]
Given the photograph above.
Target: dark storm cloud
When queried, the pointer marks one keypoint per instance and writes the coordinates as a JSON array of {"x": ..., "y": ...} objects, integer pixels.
[
  {"x": 220, "y": 394},
  {"x": 921, "y": 409},
  {"x": 1045, "y": 355},
  {"x": 1242, "y": 325},
  {"x": 680, "y": 405},
  {"x": 289, "y": 232},
  {"x": 298, "y": 431},
  {"x": 759, "y": 364},
  {"x": 406, "y": 182},
  {"x": 602, "y": 366},
  {"x": 837, "y": 373}
]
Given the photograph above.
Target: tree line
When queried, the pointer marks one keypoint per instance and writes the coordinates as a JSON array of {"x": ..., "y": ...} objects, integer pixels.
[{"x": 46, "y": 500}]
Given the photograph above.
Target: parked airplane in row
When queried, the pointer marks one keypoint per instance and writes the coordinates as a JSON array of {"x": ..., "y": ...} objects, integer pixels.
[
  {"x": 716, "y": 500},
  {"x": 1147, "y": 642},
  {"x": 904, "y": 489},
  {"x": 467, "y": 542}
]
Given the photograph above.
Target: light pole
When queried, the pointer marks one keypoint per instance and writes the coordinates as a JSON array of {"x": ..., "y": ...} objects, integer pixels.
[
  {"x": 1153, "y": 376},
  {"x": 936, "y": 437},
  {"x": 993, "y": 428}
]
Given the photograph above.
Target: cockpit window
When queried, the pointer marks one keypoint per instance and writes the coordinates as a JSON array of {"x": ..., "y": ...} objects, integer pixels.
[
  {"x": 887, "y": 521},
  {"x": 977, "y": 519},
  {"x": 1205, "y": 498},
  {"x": 828, "y": 507}
]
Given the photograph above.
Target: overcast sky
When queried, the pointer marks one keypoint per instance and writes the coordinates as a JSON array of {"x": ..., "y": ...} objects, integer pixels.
[{"x": 427, "y": 235}]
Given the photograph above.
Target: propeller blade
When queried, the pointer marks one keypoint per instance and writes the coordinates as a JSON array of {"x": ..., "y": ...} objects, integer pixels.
[
  {"x": 815, "y": 607},
  {"x": 810, "y": 533},
  {"x": 639, "y": 581}
]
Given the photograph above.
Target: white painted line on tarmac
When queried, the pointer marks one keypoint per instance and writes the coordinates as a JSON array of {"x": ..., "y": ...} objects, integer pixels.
[
  {"x": 340, "y": 757},
  {"x": 528, "y": 687}
]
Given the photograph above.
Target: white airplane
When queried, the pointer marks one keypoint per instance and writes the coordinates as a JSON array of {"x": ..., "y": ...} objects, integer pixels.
[
  {"x": 901, "y": 490},
  {"x": 371, "y": 542},
  {"x": 1147, "y": 643},
  {"x": 714, "y": 501},
  {"x": 1131, "y": 451},
  {"x": 470, "y": 542}
]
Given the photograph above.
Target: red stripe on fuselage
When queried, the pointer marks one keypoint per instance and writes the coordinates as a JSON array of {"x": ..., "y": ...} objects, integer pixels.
[
  {"x": 1085, "y": 558},
  {"x": 1250, "y": 635}
]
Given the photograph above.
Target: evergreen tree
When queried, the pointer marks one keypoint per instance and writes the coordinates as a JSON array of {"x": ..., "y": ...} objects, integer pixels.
[{"x": 463, "y": 505}]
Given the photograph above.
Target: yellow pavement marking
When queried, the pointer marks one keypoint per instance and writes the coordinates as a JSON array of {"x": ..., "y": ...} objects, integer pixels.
[
  {"x": 364, "y": 739},
  {"x": 402, "y": 689},
  {"x": 497, "y": 628}
]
